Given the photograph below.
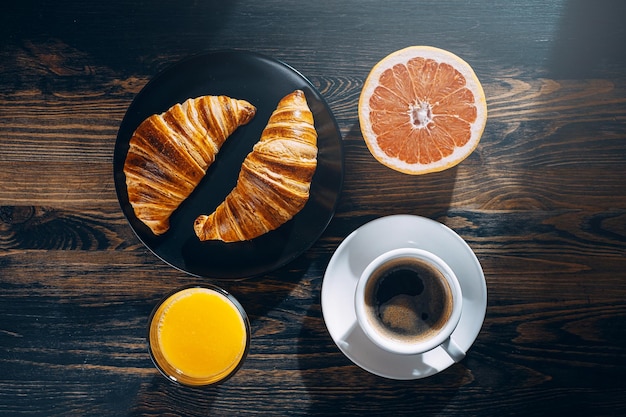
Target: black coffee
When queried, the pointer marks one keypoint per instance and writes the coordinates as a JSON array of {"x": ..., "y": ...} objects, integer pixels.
[{"x": 408, "y": 300}]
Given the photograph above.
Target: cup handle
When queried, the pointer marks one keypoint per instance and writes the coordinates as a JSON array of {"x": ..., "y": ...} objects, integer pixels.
[{"x": 453, "y": 350}]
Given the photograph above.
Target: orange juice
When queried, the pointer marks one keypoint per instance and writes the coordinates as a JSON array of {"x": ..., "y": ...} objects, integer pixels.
[{"x": 199, "y": 336}]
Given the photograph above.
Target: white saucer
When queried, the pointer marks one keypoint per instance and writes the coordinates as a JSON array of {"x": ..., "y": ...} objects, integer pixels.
[{"x": 370, "y": 241}]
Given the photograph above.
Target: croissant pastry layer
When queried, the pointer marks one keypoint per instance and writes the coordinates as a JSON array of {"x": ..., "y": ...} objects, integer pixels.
[
  {"x": 274, "y": 180},
  {"x": 170, "y": 152}
]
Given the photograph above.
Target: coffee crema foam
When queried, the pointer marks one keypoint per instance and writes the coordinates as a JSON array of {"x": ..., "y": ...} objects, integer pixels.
[{"x": 408, "y": 300}]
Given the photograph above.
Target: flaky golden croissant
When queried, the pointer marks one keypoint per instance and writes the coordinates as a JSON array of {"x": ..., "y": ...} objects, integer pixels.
[
  {"x": 275, "y": 178},
  {"x": 170, "y": 153}
]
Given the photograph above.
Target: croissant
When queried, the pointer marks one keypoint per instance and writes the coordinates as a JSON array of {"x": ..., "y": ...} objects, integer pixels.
[
  {"x": 274, "y": 180},
  {"x": 170, "y": 153}
]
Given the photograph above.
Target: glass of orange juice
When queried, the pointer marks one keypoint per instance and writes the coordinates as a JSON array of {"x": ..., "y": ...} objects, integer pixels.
[{"x": 198, "y": 335}]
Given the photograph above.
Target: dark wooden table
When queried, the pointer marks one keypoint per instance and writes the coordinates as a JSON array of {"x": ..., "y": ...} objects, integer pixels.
[{"x": 542, "y": 202}]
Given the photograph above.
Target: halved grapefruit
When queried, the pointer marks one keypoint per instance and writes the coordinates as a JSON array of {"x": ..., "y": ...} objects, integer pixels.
[{"x": 421, "y": 110}]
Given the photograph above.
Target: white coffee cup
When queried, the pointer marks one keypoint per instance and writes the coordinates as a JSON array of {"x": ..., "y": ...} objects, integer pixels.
[{"x": 408, "y": 301}]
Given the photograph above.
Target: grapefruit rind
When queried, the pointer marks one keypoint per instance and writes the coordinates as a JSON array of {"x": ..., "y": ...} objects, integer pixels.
[{"x": 401, "y": 57}]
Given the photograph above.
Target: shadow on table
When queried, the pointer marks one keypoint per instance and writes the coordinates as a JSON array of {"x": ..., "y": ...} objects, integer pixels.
[
  {"x": 120, "y": 34},
  {"x": 264, "y": 293},
  {"x": 374, "y": 189},
  {"x": 161, "y": 397},
  {"x": 335, "y": 385},
  {"x": 590, "y": 40},
  {"x": 338, "y": 387}
]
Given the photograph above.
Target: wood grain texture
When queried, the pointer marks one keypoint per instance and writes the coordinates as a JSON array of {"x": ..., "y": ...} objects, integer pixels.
[{"x": 542, "y": 202}]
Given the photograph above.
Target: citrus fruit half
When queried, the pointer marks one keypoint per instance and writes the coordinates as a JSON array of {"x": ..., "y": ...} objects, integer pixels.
[{"x": 422, "y": 109}]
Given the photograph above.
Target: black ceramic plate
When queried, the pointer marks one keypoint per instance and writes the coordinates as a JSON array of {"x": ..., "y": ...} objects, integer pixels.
[{"x": 262, "y": 81}]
